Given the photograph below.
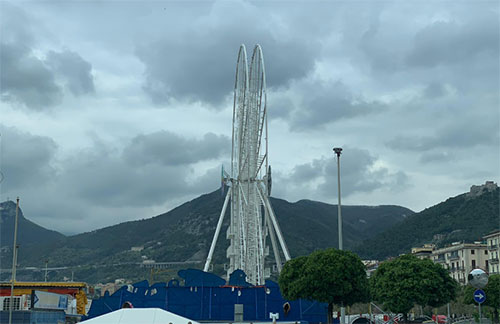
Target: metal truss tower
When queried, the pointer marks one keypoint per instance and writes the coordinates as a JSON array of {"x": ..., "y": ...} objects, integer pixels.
[{"x": 252, "y": 216}]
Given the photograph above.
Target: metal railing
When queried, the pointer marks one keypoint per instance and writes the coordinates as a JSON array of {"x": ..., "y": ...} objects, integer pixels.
[
  {"x": 492, "y": 247},
  {"x": 441, "y": 259},
  {"x": 470, "y": 320}
]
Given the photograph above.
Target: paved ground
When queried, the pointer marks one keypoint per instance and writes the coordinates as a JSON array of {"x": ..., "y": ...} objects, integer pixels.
[{"x": 471, "y": 321}]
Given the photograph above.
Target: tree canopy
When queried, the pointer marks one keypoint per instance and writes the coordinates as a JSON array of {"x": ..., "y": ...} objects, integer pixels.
[
  {"x": 331, "y": 276},
  {"x": 407, "y": 280}
]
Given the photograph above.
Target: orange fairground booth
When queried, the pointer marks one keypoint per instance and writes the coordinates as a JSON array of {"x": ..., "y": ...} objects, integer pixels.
[{"x": 75, "y": 289}]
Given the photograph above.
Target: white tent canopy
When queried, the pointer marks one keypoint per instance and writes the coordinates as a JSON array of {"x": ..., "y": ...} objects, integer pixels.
[{"x": 140, "y": 316}]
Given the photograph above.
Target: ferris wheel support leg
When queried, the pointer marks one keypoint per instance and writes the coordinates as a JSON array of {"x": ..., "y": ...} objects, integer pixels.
[
  {"x": 275, "y": 224},
  {"x": 273, "y": 243},
  {"x": 217, "y": 231}
]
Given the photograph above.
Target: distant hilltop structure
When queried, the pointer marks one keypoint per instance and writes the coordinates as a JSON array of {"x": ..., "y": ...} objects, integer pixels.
[{"x": 476, "y": 191}]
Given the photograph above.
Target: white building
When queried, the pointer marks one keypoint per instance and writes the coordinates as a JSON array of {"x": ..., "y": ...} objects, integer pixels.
[
  {"x": 461, "y": 258},
  {"x": 423, "y": 252},
  {"x": 493, "y": 245}
]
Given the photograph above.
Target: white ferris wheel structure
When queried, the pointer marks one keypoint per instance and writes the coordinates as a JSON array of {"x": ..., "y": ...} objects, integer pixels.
[{"x": 252, "y": 216}]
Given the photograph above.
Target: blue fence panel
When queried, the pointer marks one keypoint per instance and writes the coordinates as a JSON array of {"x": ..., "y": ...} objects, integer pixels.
[
  {"x": 34, "y": 317},
  {"x": 207, "y": 303}
]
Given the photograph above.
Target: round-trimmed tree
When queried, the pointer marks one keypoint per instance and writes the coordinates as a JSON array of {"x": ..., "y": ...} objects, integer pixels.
[
  {"x": 407, "y": 280},
  {"x": 330, "y": 276}
]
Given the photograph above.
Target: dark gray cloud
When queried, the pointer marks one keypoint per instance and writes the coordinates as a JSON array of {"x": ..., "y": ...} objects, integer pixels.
[
  {"x": 151, "y": 169},
  {"x": 434, "y": 90},
  {"x": 99, "y": 175},
  {"x": 203, "y": 68},
  {"x": 457, "y": 46},
  {"x": 436, "y": 156},
  {"x": 26, "y": 79},
  {"x": 375, "y": 40},
  {"x": 205, "y": 71},
  {"x": 168, "y": 148},
  {"x": 210, "y": 180},
  {"x": 319, "y": 103},
  {"x": 455, "y": 42},
  {"x": 98, "y": 183},
  {"x": 74, "y": 70},
  {"x": 464, "y": 135},
  {"x": 26, "y": 159},
  {"x": 30, "y": 77},
  {"x": 280, "y": 106},
  {"x": 19, "y": 25},
  {"x": 358, "y": 175}
]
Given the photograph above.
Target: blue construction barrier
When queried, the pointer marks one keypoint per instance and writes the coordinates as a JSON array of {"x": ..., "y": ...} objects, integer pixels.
[
  {"x": 34, "y": 317},
  {"x": 206, "y": 298}
]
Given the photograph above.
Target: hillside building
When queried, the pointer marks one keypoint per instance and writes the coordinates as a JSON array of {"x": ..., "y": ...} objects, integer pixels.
[
  {"x": 109, "y": 287},
  {"x": 423, "y": 252},
  {"x": 461, "y": 258},
  {"x": 488, "y": 186},
  {"x": 493, "y": 246},
  {"x": 371, "y": 266}
]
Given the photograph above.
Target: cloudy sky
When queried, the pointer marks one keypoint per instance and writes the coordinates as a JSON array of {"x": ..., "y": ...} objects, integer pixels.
[{"x": 118, "y": 110}]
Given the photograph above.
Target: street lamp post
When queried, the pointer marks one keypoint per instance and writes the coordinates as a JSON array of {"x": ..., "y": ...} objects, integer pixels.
[{"x": 338, "y": 151}]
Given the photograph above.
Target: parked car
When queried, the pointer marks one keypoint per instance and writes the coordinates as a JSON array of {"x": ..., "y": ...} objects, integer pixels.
[
  {"x": 423, "y": 319},
  {"x": 441, "y": 319}
]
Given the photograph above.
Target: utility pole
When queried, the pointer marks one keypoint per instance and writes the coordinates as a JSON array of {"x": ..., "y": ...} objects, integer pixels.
[
  {"x": 46, "y": 269},
  {"x": 14, "y": 261},
  {"x": 338, "y": 151}
]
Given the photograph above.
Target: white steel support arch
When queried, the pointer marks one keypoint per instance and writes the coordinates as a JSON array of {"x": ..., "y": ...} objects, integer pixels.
[{"x": 251, "y": 213}]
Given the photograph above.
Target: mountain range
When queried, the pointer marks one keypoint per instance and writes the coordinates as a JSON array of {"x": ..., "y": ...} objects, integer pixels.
[
  {"x": 185, "y": 234},
  {"x": 466, "y": 217},
  {"x": 28, "y": 232}
]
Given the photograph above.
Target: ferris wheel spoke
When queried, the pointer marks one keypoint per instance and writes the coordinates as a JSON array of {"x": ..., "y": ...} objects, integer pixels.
[{"x": 259, "y": 167}]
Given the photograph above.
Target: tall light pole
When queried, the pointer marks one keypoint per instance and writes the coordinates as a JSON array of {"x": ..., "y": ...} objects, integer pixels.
[{"x": 338, "y": 151}]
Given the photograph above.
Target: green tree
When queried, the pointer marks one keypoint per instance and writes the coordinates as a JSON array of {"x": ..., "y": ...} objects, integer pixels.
[
  {"x": 492, "y": 291},
  {"x": 330, "y": 276},
  {"x": 407, "y": 280},
  {"x": 290, "y": 279}
]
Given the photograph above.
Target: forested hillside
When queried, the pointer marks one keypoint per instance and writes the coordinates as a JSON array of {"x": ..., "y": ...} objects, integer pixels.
[
  {"x": 185, "y": 233},
  {"x": 28, "y": 232},
  {"x": 462, "y": 218}
]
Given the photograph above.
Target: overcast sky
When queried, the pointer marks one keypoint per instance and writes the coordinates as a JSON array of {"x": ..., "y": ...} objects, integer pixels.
[{"x": 113, "y": 111}]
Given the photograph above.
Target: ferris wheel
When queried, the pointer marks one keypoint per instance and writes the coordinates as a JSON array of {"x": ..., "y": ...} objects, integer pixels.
[{"x": 252, "y": 216}]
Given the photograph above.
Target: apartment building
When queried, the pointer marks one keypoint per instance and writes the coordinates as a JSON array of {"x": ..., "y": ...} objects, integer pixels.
[
  {"x": 423, "y": 252},
  {"x": 461, "y": 258},
  {"x": 493, "y": 246}
]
